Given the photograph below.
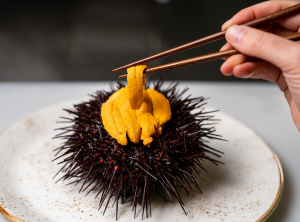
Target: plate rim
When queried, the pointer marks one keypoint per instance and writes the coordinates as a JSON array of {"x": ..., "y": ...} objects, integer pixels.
[
  {"x": 275, "y": 203},
  {"x": 11, "y": 217}
]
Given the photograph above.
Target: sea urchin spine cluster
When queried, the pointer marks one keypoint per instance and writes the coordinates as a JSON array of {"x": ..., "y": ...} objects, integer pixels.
[{"x": 94, "y": 159}]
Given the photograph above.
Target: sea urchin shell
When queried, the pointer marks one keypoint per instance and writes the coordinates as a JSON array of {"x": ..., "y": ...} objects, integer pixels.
[{"x": 94, "y": 159}]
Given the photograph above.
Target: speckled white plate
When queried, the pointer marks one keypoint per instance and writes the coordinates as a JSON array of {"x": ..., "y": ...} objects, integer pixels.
[{"x": 246, "y": 189}]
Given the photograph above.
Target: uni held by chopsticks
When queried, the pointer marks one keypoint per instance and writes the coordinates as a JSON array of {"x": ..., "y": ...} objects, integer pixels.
[{"x": 216, "y": 36}]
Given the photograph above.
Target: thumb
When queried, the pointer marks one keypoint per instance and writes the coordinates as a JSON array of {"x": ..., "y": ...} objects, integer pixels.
[{"x": 281, "y": 52}]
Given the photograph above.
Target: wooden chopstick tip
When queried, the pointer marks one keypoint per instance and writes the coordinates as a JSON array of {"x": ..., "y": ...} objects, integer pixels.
[
  {"x": 122, "y": 76},
  {"x": 116, "y": 70}
]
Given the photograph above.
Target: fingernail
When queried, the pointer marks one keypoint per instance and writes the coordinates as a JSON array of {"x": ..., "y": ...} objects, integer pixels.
[
  {"x": 226, "y": 24},
  {"x": 225, "y": 58},
  {"x": 235, "y": 33},
  {"x": 247, "y": 77},
  {"x": 225, "y": 47}
]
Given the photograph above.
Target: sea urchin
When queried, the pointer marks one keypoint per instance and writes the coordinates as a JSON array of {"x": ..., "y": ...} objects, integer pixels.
[{"x": 99, "y": 163}]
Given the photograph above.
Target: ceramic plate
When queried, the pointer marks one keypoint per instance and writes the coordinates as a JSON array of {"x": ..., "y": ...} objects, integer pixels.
[{"x": 246, "y": 189}]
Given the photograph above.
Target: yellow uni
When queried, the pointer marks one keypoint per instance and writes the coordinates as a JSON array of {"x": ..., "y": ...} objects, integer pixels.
[
  {"x": 129, "y": 117},
  {"x": 135, "y": 112},
  {"x": 136, "y": 82},
  {"x": 161, "y": 106},
  {"x": 109, "y": 115}
]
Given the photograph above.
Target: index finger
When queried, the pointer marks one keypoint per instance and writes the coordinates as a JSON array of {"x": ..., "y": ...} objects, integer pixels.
[{"x": 260, "y": 10}]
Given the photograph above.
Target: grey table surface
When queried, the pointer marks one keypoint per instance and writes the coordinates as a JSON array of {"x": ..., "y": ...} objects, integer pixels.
[{"x": 260, "y": 105}]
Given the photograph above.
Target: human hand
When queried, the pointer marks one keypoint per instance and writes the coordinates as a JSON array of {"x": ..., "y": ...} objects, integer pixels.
[{"x": 265, "y": 54}]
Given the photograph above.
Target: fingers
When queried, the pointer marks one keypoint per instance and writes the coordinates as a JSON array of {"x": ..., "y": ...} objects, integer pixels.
[
  {"x": 231, "y": 62},
  {"x": 292, "y": 22},
  {"x": 283, "y": 53},
  {"x": 275, "y": 28},
  {"x": 279, "y": 30},
  {"x": 281, "y": 56},
  {"x": 226, "y": 47},
  {"x": 256, "y": 70},
  {"x": 260, "y": 10}
]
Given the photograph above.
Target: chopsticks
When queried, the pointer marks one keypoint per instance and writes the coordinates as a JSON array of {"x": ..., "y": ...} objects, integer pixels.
[
  {"x": 205, "y": 58},
  {"x": 264, "y": 20}
]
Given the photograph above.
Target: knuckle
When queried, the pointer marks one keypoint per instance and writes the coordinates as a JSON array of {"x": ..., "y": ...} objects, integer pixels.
[
  {"x": 249, "y": 12},
  {"x": 259, "y": 42}
]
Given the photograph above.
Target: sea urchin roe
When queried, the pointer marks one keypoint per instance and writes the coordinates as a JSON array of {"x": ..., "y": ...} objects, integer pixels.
[
  {"x": 148, "y": 123},
  {"x": 136, "y": 82},
  {"x": 129, "y": 116},
  {"x": 110, "y": 121},
  {"x": 151, "y": 111},
  {"x": 161, "y": 106}
]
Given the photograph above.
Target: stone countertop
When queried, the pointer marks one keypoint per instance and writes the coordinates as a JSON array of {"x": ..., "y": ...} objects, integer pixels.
[{"x": 260, "y": 105}]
